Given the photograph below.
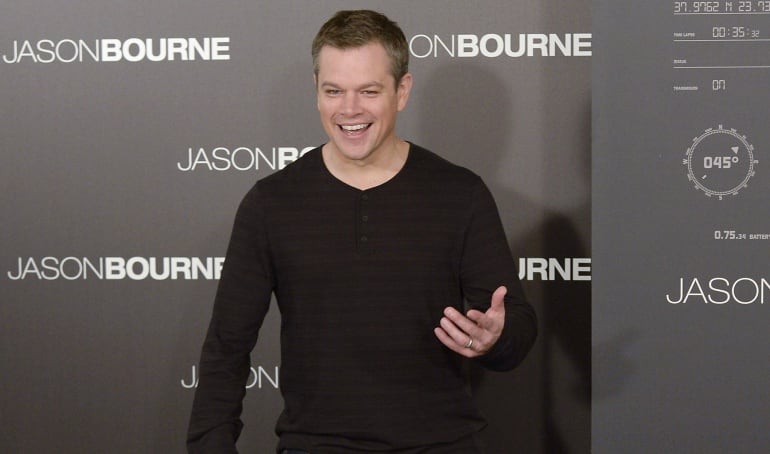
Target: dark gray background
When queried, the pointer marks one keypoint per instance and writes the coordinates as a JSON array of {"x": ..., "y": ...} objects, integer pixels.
[
  {"x": 688, "y": 377},
  {"x": 89, "y": 152}
]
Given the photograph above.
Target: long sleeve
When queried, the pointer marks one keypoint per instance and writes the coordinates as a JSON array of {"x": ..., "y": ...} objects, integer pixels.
[
  {"x": 242, "y": 300},
  {"x": 487, "y": 264}
]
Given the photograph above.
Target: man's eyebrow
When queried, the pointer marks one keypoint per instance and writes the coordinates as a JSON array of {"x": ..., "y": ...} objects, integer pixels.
[{"x": 375, "y": 84}]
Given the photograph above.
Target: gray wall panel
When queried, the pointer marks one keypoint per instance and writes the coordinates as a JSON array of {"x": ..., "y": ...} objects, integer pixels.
[{"x": 90, "y": 157}]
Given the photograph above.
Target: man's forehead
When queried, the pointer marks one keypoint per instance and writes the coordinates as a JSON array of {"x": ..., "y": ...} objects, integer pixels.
[{"x": 363, "y": 64}]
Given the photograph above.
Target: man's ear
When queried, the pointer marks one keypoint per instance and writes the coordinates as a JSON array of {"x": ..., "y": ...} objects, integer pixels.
[
  {"x": 403, "y": 89},
  {"x": 315, "y": 85}
]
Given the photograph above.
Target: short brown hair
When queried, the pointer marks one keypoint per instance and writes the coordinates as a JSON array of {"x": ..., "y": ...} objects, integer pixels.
[{"x": 350, "y": 29}]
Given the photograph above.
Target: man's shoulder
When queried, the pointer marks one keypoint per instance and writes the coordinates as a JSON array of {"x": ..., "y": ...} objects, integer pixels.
[
  {"x": 438, "y": 167},
  {"x": 305, "y": 167},
  {"x": 280, "y": 184}
]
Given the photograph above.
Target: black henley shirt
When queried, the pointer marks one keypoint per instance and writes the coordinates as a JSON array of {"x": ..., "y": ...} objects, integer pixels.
[{"x": 361, "y": 278}]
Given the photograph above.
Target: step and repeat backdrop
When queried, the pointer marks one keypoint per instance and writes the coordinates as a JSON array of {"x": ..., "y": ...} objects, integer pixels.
[
  {"x": 681, "y": 226},
  {"x": 131, "y": 130}
]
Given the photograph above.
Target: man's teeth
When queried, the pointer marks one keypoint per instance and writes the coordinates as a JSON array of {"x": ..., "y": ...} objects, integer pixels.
[{"x": 354, "y": 127}]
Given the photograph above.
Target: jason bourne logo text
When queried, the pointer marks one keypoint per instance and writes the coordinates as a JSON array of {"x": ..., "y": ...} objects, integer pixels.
[{"x": 117, "y": 50}]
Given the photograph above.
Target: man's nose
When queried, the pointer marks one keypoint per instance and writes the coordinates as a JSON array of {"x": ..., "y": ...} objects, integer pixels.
[{"x": 351, "y": 104}]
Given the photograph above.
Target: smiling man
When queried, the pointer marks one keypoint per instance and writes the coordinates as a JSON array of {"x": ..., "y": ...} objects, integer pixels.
[
  {"x": 358, "y": 98},
  {"x": 389, "y": 266}
]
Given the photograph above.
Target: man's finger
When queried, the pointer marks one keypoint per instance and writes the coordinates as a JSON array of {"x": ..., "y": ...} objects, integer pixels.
[
  {"x": 465, "y": 324},
  {"x": 452, "y": 344},
  {"x": 490, "y": 320},
  {"x": 456, "y": 332},
  {"x": 498, "y": 298}
]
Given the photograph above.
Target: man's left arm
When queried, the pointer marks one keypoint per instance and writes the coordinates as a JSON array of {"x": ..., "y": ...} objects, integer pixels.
[{"x": 500, "y": 327}]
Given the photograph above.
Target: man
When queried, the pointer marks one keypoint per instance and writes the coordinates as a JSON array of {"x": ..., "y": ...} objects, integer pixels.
[{"x": 372, "y": 246}]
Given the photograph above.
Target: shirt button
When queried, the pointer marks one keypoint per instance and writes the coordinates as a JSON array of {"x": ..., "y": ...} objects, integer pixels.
[
  {"x": 364, "y": 218},
  {"x": 365, "y": 197},
  {"x": 364, "y": 239}
]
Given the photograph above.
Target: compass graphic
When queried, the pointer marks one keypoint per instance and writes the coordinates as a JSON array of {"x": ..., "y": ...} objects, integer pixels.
[{"x": 720, "y": 162}]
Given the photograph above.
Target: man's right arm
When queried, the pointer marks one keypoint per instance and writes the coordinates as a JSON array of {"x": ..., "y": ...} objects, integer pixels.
[{"x": 242, "y": 300}]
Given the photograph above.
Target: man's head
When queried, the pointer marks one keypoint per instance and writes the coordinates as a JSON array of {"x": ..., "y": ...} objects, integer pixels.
[
  {"x": 352, "y": 29},
  {"x": 360, "y": 86}
]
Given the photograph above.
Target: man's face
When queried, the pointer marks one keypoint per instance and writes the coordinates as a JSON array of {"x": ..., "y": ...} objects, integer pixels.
[{"x": 358, "y": 100}]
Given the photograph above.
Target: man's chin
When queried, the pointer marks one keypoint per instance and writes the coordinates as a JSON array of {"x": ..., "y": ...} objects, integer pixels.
[{"x": 357, "y": 154}]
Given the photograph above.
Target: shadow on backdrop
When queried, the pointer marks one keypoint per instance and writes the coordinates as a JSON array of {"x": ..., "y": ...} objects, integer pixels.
[{"x": 544, "y": 405}]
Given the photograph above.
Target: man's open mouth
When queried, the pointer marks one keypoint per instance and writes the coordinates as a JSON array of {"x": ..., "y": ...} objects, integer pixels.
[{"x": 354, "y": 129}]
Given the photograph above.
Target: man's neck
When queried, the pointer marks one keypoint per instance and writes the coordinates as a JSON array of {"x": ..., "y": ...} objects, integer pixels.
[{"x": 365, "y": 175}]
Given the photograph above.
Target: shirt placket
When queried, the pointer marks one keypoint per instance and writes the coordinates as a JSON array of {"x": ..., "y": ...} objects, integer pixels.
[{"x": 363, "y": 239}]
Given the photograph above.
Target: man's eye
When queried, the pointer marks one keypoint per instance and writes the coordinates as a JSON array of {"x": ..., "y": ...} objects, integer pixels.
[
  {"x": 369, "y": 92},
  {"x": 333, "y": 92}
]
